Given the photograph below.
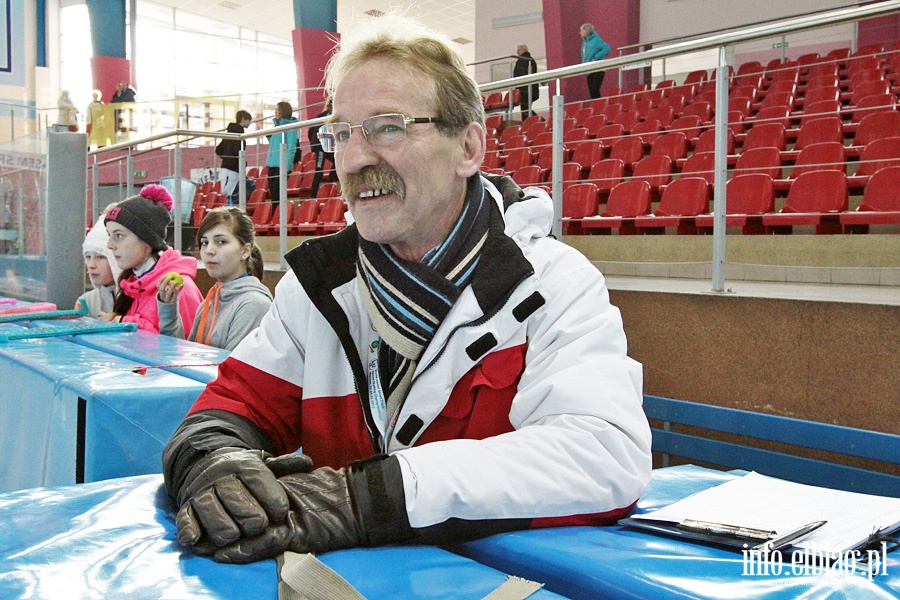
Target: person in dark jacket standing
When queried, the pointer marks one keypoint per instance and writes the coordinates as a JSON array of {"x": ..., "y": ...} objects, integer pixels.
[
  {"x": 525, "y": 65},
  {"x": 229, "y": 151},
  {"x": 124, "y": 93},
  {"x": 593, "y": 48},
  {"x": 316, "y": 147}
]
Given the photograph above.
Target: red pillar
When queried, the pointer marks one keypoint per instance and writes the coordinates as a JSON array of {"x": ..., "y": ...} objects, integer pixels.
[
  {"x": 617, "y": 22},
  {"x": 312, "y": 49},
  {"x": 107, "y": 71}
]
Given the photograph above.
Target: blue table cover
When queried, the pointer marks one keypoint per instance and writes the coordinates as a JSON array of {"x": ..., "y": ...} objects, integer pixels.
[
  {"x": 127, "y": 417},
  {"x": 186, "y": 358},
  {"x": 618, "y": 562},
  {"x": 116, "y": 539}
]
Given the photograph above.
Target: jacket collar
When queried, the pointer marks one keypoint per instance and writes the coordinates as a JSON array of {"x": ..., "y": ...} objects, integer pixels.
[{"x": 325, "y": 263}]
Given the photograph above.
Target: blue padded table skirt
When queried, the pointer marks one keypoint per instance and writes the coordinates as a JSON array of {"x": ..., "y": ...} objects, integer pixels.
[
  {"x": 116, "y": 539},
  {"x": 71, "y": 413}
]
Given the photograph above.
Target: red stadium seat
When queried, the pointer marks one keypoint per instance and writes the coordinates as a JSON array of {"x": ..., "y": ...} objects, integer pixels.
[
  {"x": 759, "y": 160},
  {"x": 682, "y": 200},
  {"x": 664, "y": 114},
  {"x": 700, "y": 164},
  {"x": 626, "y": 202},
  {"x": 303, "y": 221},
  {"x": 825, "y": 129},
  {"x": 815, "y": 198},
  {"x": 765, "y": 135},
  {"x": 331, "y": 216},
  {"x": 878, "y": 155},
  {"x": 873, "y": 127},
  {"x": 588, "y": 153},
  {"x": 628, "y": 149},
  {"x": 655, "y": 170},
  {"x": 824, "y": 156},
  {"x": 261, "y": 217},
  {"x": 700, "y": 109},
  {"x": 690, "y": 126},
  {"x": 517, "y": 158},
  {"x": 647, "y": 130},
  {"x": 606, "y": 174},
  {"x": 880, "y": 204},
  {"x": 707, "y": 141},
  {"x": 672, "y": 145},
  {"x": 748, "y": 198},
  {"x": 528, "y": 175},
  {"x": 273, "y": 227},
  {"x": 627, "y": 120},
  {"x": 579, "y": 201}
]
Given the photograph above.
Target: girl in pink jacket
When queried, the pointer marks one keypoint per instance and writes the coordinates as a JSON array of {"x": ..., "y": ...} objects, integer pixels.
[{"x": 137, "y": 239}]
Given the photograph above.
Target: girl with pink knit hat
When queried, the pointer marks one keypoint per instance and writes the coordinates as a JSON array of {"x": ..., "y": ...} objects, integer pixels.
[{"x": 137, "y": 239}]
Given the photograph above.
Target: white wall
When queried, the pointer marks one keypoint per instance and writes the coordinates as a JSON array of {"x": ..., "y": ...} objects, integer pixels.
[
  {"x": 502, "y": 41},
  {"x": 667, "y": 19}
]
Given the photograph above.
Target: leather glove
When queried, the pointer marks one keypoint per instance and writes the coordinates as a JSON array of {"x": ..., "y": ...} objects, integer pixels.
[
  {"x": 329, "y": 510},
  {"x": 230, "y": 493}
]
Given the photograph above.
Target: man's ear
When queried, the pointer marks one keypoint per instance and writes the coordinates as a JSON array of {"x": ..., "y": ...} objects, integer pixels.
[{"x": 473, "y": 147}]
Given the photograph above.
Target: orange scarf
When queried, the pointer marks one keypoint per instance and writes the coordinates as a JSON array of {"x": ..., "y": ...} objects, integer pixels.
[{"x": 207, "y": 320}]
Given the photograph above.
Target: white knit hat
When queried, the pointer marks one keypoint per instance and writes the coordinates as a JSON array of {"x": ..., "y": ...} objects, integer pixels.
[{"x": 95, "y": 241}]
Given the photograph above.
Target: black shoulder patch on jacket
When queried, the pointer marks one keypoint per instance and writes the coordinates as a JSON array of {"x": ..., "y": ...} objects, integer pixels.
[
  {"x": 481, "y": 346},
  {"x": 409, "y": 430},
  {"x": 527, "y": 306}
]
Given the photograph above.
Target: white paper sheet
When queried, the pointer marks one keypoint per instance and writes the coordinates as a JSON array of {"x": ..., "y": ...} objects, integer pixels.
[{"x": 767, "y": 503}]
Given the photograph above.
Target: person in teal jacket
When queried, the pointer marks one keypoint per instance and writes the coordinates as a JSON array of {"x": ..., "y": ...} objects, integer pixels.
[
  {"x": 593, "y": 48},
  {"x": 284, "y": 114}
]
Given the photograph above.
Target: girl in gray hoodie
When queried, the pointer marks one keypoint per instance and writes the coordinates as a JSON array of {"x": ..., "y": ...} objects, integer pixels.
[{"x": 237, "y": 302}]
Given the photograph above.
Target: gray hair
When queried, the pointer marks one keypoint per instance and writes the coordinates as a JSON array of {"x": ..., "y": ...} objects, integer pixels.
[{"x": 417, "y": 50}]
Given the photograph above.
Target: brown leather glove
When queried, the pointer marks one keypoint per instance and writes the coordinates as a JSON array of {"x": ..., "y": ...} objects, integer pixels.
[
  {"x": 329, "y": 510},
  {"x": 230, "y": 493}
]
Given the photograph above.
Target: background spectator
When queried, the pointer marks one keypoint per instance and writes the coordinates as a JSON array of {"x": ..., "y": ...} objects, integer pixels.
[
  {"x": 237, "y": 302},
  {"x": 593, "y": 48},
  {"x": 284, "y": 114},
  {"x": 525, "y": 65}
]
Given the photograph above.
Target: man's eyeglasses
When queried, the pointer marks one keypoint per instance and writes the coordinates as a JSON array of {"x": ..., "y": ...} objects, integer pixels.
[{"x": 380, "y": 130}]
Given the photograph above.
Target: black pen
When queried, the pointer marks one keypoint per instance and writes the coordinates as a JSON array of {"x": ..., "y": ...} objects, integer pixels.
[{"x": 781, "y": 541}]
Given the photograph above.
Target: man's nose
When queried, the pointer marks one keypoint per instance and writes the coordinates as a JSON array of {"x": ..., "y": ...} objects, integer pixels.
[{"x": 357, "y": 153}]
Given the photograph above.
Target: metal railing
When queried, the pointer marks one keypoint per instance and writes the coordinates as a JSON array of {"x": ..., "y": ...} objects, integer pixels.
[{"x": 717, "y": 41}]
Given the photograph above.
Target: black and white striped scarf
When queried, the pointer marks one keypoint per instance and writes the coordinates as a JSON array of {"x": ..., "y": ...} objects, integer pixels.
[{"x": 407, "y": 301}]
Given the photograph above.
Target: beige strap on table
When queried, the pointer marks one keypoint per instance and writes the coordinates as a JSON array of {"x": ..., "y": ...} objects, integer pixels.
[
  {"x": 305, "y": 577},
  {"x": 514, "y": 588}
]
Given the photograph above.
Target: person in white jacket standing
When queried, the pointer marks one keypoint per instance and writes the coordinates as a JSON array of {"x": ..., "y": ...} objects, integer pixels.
[{"x": 449, "y": 370}]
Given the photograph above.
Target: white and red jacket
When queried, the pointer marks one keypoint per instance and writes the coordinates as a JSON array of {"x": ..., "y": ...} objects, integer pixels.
[{"x": 524, "y": 405}]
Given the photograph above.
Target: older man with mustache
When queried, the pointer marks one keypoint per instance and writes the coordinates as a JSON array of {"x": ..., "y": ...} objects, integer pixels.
[{"x": 448, "y": 369}]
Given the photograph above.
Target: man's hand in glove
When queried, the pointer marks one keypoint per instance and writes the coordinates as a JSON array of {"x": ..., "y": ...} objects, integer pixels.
[
  {"x": 329, "y": 510},
  {"x": 231, "y": 494}
]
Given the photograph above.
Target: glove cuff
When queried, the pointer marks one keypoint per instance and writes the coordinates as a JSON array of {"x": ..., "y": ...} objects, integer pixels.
[{"x": 376, "y": 487}]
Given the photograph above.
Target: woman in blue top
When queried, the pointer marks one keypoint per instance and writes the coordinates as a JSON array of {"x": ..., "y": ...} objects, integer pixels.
[
  {"x": 284, "y": 114},
  {"x": 593, "y": 48}
]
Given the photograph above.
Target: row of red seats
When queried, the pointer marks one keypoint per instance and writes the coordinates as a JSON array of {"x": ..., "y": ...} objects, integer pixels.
[
  {"x": 816, "y": 198},
  {"x": 818, "y": 145},
  {"x": 307, "y": 217},
  {"x": 658, "y": 170}
]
